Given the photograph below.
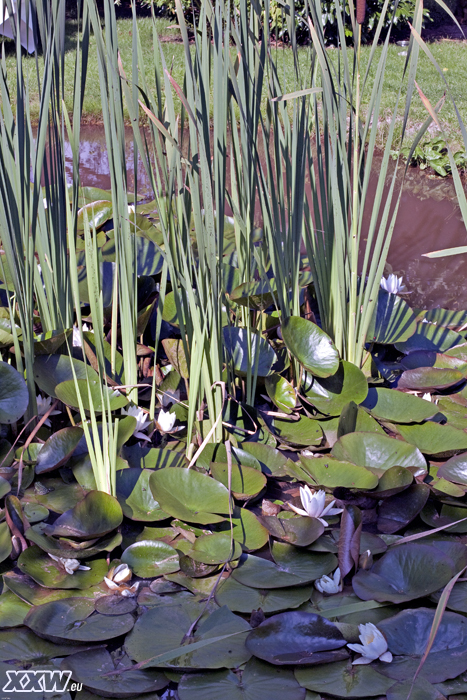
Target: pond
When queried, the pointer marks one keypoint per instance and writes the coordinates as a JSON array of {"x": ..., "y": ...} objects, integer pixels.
[{"x": 429, "y": 219}]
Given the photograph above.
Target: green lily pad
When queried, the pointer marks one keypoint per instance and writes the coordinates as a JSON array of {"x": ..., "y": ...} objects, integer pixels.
[
  {"x": 91, "y": 668},
  {"x": 161, "y": 629},
  {"x": 54, "y": 494},
  {"x": 311, "y": 346},
  {"x": 35, "y": 513},
  {"x": 260, "y": 357},
  {"x": 296, "y": 638},
  {"x": 247, "y": 530},
  {"x": 5, "y": 542},
  {"x": 14, "y": 397},
  {"x": 393, "y": 320},
  {"x": 354, "y": 419},
  {"x": 302, "y": 433},
  {"x": 148, "y": 256},
  {"x": 281, "y": 392},
  {"x": 94, "y": 516},
  {"x": 398, "y": 407},
  {"x": 216, "y": 452},
  {"x": 31, "y": 592},
  {"x": 344, "y": 680},
  {"x": 175, "y": 352},
  {"x": 215, "y": 549},
  {"x": 189, "y": 495},
  {"x": 331, "y": 473},
  {"x": 399, "y": 510},
  {"x": 271, "y": 461},
  {"x": 22, "y": 645},
  {"x": 51, "y": 370},
  {"x": 49, "y": 342},
  {"x": 434, "y": 439},
  {"x": 259, "y": 681},
  {"x": 96, "y": 213},
  {"x": 245, "y": 481},
  {"x": 69, "y": 548},
  {"x": 68, "y": 393},
  {"x": 135, "y": 496},
  {"x": 76, "y": 620},
  {"x": 421, "y": 689},
  {"x": 407, "y": 635},
  {"x": 244, "y": 599},
  {"x": 448, "y": 514},
  {"x": 330, "y": 395},
  {"x": 255, "y": 295},
  {"x": 51, "y": 574},
  {"x": 431, "y": 337},
  {"x": 292, "y": 567},
  {"x": 401, "y": 574},
  {"x": 457, "y": 600},
  {"x": 300, "y": 531},
  {"x": 428, "y": 378},
  {"x": 377, "y": 451},
  {"x": 150, "y": 558},
  {"x": 115, "y": 604},
  {"x": 455, "y": 469},
  {"x": 393, "y": 481},
  {"x": 58, "y": 449},
  {"x": 153, "y": 458},
  {"x": 13, "y": 610}
]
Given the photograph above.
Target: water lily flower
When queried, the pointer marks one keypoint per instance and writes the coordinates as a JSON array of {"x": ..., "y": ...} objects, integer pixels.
[
  {"x": 77, "y": 336},
  {"x": 330, "y": 584},
  {"x": 373, "y": 645},
  {"x": 393, "y": 284},
  {"x": 166, "y": 421},
  {"x": 141, "y": 422},
  {"x": 427, "y": 397},
  {"x": 314, "y": 505},
  {"x": 117, "y": 579},
  {"x": 43, "y": 405},
  {"x": 70, "y": 565}
]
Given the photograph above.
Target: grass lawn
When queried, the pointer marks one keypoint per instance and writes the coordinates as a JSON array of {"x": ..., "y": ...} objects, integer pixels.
[{"x": 450, "y": 55}]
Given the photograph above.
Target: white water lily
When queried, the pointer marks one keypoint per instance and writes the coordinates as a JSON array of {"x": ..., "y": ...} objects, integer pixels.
[
  {"x": 427, "y": 397},
  {"x": 43, "y": 405},
  {"x": 77, "y": 335},
  {"x": 117, "y": 580},
  {"x": 70, "y": 565},
  {"x": 330, "y": 584},
  {"x": 141, "y": 422},
  {"x": 393, "y": 284},
  {"x": 166, "y": 421},
  {"x": 373, "y": 645},
  {"x": 314, "y": 505}
]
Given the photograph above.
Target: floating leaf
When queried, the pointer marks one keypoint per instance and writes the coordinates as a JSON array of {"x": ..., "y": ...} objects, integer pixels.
[
  {"x": 455, "y": 469},
  {"x": 58, "y": 449},
  {"x": 431, "y": 337},
  {"x": 393, "y": 320},
  {"x": 94, "y": 516},
  {"x": 300, "y": 531},
  {"x": 271, "y": 461},
  {"x": 245, "y": 599},
  {"x": 245, "y": 481},
  {"x": 248, "y": 351},
  {"x": 428, "y": 379},
  {"x": 92, "y": 393},
  {"x": 69, "y": 548},
  {"x": 311, "y": 346},
  {"x": 247, "y": 530},
  {"x": 51, "y": 370},
  {"x": 22, "y": 645},
  {"x": 377, "y": 451},
  {"x": 399, "y": 510},
  {"x": 96, "y": 213},
  {"x": 135, "y": 496},
  {"x": 150, "y": 558},
  {"x": 296, "y": 638},
  {"x": 189, "y": 495},
  {"x": 51, "y": 574},
  {"x": 434, "y": 439},
  {"x": 329, "y": 472},
  {"x": 303, "y": 433},
  {"x": 330, "y": 395},
  {"x": 215, "y": 549},
  {"x": 344, "y": 680},
  {"x": 418, "y": 690},
  {"x": 14, "y": 397},
  {"x": 5, "y": 541},
  {"x": 398, "y": 407},
  {"x": 13, "y": 610},
  {"x": 281, "y": 392},
  {"x": 175, "y": 352}
]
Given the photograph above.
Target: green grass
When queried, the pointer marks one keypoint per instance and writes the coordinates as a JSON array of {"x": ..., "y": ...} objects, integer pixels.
[{"x": 451, "y": 56}]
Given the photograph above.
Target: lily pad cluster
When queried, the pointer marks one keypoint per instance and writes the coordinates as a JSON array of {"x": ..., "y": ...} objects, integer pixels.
[{"x": 301, "y": 558}]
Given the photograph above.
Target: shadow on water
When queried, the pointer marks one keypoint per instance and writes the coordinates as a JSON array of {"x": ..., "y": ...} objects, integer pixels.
[{"x": 429, "y": 219}]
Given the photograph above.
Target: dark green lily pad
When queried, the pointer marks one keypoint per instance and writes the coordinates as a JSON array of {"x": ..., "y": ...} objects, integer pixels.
[
  {"x": 22, "y": 645},
  {"x": 91, "y": 668},
  {"x": 189, "y": 495},
  {"x": 407, "y": 634},
  {"x": 49, "y": 342},
  {"x": 31, "y": 592},
  {"x": 68, "y": 393},
  {"x": 401, "y": 574},
  {"x": 154, "y": 457},
  {"x": 457, "y": 600},
  {"x": 58, "y": 449},
  {"x": 421, "y": 689},
  {"x": 427, "y": 379},
  {"x": 344, "y": 680},
  {"x": 5, "y": 541},
  {"x": 330, "y": 395},
  {"x": 399, "y": 510},
  {"x": 354, "y": 419},
  {"x": 448, "y": 514},
  {"x": 255, "y": 295},
  {"x": 398, "y": 407},
  {"x": 245, "y": 481},
  {"x": 75, "y": 620},
  {"x": 296, "y": 638},
  {"x": 281, "y": 392},
  {"x": 69, "y": 548},
  {"x": 260, "y": 357},
  {"x": 51, "y": 574},
  {"x": 161, "y": 629},
  {"x": 455, "y": 469},
  {"x": 14, "y": 397},
  {"x": 247, "y": 530},
  {"x": 51, "y": 370},
  {"x": 135, "y": 496},
  {"x": 311, "y": 346},
  {"x": 300, "y": 531},
  {"x": 302, "y": 433},
  {"x": 434, "y": 439},
  {"x": 54, "y": 494},
  {"x": 216, "y": 452},
  {"x": 94, "y": 516},
  {"x": 331, "y": 473},
  {"x": 151, "y": 558},
  {"x": 215, "y": 549},
  {"x": 393, "y": 480},
  {"x": 259, "y": 681},
  {"x": 13, "y": 610},
  {"x": 115, "y": 604},
  {"x": 377, "y": 451},
  {"x": 244, "y": 599},
  {"x": 271, "y": 461},
  {"x": 393, "y": 320},
  {"x": 429, "y": 336}
]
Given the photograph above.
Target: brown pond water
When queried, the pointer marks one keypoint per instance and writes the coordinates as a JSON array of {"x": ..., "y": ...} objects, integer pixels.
[{"x": 429, "y": 219}]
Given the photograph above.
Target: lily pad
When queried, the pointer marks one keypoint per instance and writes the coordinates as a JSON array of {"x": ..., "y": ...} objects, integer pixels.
[
  {"x": 434, "y": 439},
  {"x": 94, "y": 516},
  {"x": 13, "y": 610},
  {"x": 135, "y": 496},
  {"x": 244, "y": 599},
  {"x": 245, "y": 481},
  {"x": 331, "y": 473},
  {"x": 58, "y": 449},
  {"x": 259, "y": 681},
  {"x": 311, "y": 346},
  {"x": 428, "y": 378},
  {"x": 150, "y": 558},
  {"x": 215, "y": 549},
  {"x": 420, "y": 689},
  {"x": 399, "y": 510},
  {"x": 161, "y": 629},
  {"x": 51, "y": 370},
  {"x": 67, "y": 548},
  {"x": 455, "y": 469},
  {"x": 91, "y": 668},
  {"x": 293, "y": 567},
  {"x": 401, "y": 574},
  {"x": 300, "y": 531},
  {"x": 398, "y": 407},
  {"x": 296, "y": 638},
  {"x": 75, "y": 620},
  {"x": 259, "y": 357},
  {"x": 393, "y": 320},
  {"x": 5, "y": 541},
  {"x": 271, "y": 461},
  {"x": 31, "y": 592},
  {"x": 302, "y": 433},
  {"x": 96, "y": 213},
  {"x": 22, "y": 645},
  {"x": 377, "y": 451},
  {"x": 14, "y": 397},
  {"x": 344, "y": 680},
  {"x": 247, "y": 529},
  {"x": 51, "y": 574},
  {"x": 330, "y": 395},
  {"x": 429, "y": 336},
  {"x": 189, "y": 495},
  {"x": 281, "y": 392},
  {"x": 99, "y": 395}
]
